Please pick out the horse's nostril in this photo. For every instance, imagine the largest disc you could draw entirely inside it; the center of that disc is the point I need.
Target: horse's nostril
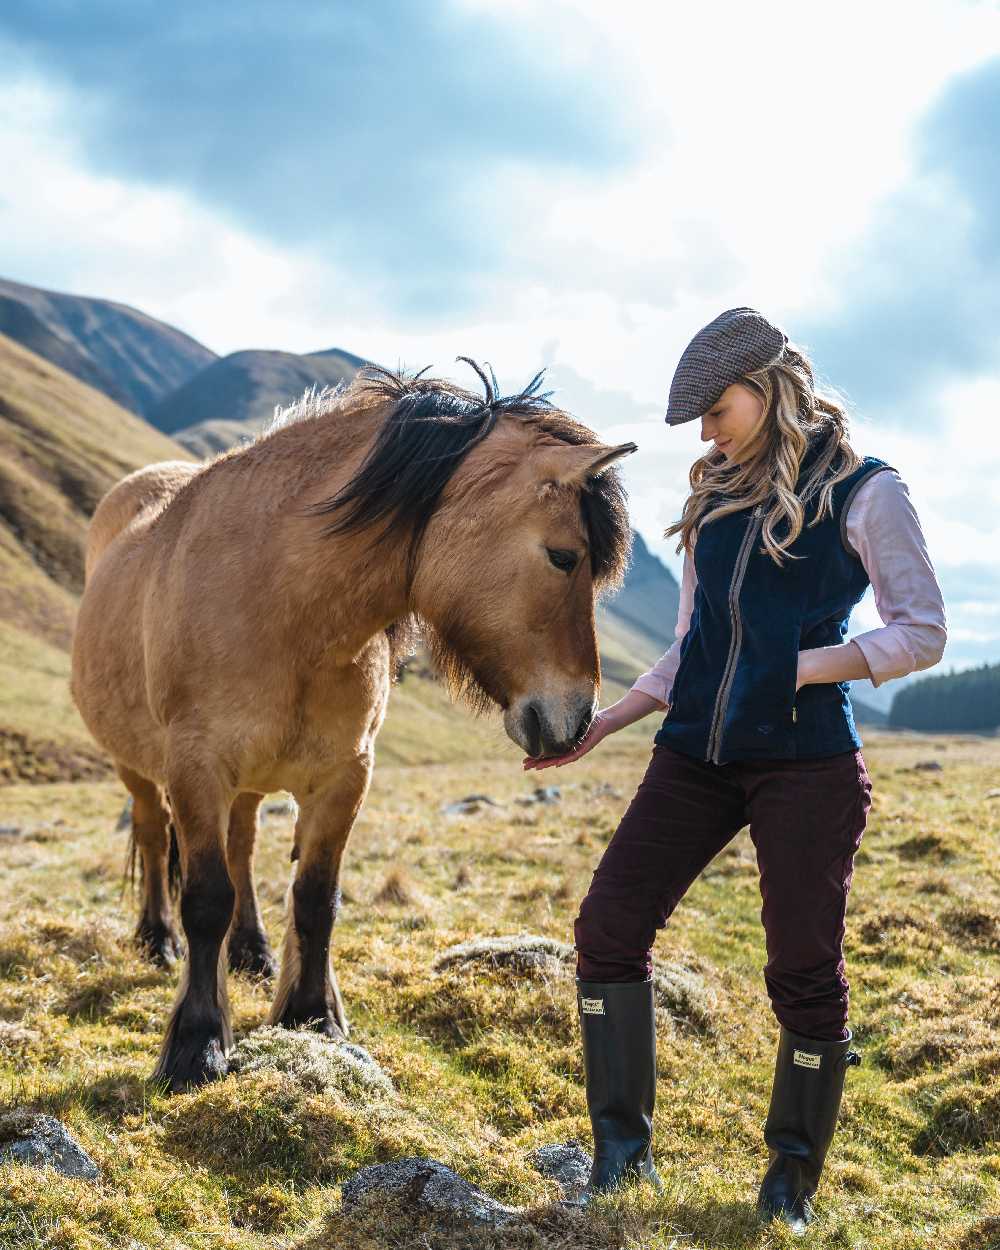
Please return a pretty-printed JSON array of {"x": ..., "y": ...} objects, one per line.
[{"x": 533, "y": 729}]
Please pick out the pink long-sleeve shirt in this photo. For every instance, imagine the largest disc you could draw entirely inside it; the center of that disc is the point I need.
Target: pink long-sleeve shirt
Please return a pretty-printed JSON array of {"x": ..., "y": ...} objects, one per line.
[{"x": 882, "y": 527}]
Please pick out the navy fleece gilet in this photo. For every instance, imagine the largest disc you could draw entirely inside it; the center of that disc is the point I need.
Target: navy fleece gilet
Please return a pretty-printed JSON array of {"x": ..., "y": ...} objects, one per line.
[{"x": 733, "y": 695}]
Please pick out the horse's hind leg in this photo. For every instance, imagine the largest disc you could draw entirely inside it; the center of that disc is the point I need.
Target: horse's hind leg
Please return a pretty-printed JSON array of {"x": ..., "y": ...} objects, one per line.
[
  {"x": 307, "y": 991},
  {"x": 150, "y": 841},
  {"x": 199, "y": 1034},
  {"x": 249, "y": 950}
]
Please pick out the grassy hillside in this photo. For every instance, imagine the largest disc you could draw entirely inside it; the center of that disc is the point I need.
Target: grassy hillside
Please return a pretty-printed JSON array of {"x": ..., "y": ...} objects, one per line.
[
  {"x": 62, "y": 445},
  {"x": 486, "y": 1064}
]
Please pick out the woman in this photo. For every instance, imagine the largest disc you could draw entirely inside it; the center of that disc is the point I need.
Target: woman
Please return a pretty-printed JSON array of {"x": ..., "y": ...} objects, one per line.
[{"x": 782, "y": 532}]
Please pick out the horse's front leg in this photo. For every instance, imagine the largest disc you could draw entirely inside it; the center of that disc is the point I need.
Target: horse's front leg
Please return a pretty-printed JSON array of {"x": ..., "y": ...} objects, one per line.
[
  {"x": 249, "y": 949},
  {"x": 198, "y": 1033},
  {"x": 307, "y": 989}
]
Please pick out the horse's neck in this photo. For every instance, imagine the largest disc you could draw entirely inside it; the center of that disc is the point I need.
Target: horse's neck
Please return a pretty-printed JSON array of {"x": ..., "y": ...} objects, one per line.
[{"x": 340, "y": 588}]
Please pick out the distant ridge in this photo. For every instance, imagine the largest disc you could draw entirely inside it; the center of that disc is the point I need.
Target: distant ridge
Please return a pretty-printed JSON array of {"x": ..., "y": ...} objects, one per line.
[
  {"x": 244, "y": 387},
  {"x": 133, "y": 358}
]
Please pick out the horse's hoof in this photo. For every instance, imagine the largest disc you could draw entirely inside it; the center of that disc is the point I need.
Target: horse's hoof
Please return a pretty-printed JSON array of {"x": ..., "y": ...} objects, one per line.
[
  {"x": 318, "y": 1019},
  {"x": 159, "y": 943},
  {"x": 250, "y": 951},
  {"x": 190, "y": 1062}
]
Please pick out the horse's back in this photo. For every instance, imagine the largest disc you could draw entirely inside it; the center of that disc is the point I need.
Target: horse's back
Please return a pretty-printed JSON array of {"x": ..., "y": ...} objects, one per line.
[{"x": 141, "y": 494}]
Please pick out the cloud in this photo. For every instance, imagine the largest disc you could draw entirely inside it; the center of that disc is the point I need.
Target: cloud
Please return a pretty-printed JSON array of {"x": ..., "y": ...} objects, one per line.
[
  {"x": 919, "y": 295},
  {"x": 387, "y": 136}
]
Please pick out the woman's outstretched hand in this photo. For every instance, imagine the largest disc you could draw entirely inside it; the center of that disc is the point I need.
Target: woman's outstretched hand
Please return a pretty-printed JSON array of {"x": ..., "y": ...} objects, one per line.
[{"x": 600, "y": 727}]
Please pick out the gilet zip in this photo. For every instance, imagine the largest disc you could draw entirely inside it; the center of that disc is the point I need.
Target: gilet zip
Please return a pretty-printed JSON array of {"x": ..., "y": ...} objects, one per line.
[{"x": 729, "y": 672}]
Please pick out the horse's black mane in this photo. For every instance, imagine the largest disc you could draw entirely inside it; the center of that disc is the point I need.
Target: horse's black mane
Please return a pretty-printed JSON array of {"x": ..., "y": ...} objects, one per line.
[{"x": 431, "y": 428}]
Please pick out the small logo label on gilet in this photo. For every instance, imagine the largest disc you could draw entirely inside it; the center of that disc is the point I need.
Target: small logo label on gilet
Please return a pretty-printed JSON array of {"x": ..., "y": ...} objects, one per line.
[
  {"x": 805, "y": 1060},
  {"x": 592, "y": 1006}
]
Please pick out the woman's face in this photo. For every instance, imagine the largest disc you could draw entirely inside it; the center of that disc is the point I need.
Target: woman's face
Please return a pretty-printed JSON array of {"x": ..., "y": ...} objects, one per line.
[{"x": 732, "y": 420}]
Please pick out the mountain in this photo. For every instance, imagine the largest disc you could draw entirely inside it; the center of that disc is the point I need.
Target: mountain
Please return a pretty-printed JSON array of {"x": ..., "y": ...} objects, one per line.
[
  {"x": 649, "y": 597},
  {"x": 865, "y": 714},
  {"x": 131, "y": 357},
  {"x": 244, "y": 388}
]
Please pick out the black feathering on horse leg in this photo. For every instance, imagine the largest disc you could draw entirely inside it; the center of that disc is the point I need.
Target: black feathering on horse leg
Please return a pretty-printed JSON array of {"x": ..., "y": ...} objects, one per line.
[{"x": 199, "y": 1035}]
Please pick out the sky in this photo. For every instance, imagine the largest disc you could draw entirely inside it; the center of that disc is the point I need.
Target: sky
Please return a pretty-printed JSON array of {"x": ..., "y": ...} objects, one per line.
[{"x": 565, "y": 184}]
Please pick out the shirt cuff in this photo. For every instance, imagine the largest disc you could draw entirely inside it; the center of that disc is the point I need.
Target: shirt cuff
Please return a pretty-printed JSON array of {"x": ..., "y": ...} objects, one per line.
[
  {"x": 883, "y": 663},
  {"x": 657, "y": 687}
]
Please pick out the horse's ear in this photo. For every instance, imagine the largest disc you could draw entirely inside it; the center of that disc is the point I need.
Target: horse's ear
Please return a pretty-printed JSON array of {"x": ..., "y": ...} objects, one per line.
[{"x": 576, "y": 465}]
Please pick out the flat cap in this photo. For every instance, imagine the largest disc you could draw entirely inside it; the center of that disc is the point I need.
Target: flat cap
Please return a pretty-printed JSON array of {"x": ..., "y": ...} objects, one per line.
[{"x": 736, "y": 343}]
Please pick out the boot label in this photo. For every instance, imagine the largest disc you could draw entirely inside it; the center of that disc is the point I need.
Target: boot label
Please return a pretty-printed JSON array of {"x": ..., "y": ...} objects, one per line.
[
  {"x": 592, "y": 1006},
  {"x": 805, "y": 1060}
]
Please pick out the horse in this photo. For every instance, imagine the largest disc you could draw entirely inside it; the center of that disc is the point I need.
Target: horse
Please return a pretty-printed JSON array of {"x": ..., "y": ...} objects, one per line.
[{"x": 243, "y": 620}]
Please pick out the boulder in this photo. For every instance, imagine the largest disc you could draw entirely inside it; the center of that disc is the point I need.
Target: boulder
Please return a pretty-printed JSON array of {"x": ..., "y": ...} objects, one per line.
[
  {"x": 43, "y": 1141},
  {"x": 471, "y": 803},
  {"x": 540, "y": 794},
  {"x": 426, "y": 1187},
  {"x": 567, "y": 1163}
]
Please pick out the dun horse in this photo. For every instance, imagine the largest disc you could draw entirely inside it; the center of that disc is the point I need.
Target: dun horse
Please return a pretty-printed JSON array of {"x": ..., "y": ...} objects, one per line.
[{"x": 241, "y": 623}]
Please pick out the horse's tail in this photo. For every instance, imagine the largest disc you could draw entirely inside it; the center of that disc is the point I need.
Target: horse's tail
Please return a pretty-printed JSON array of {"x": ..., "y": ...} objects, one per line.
[
  {"x": 131, "y": 857},
  {"x": 147, "y": 489},
  {"x": 133, "y": 865}
]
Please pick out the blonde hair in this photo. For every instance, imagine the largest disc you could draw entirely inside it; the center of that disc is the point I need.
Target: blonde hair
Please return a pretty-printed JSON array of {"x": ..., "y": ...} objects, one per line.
[{"x": 794, "y": 414}]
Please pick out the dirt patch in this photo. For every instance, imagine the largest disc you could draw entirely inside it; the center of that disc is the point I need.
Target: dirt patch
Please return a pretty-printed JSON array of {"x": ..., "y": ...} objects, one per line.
[
  {"x": 41, "y": 761},
  {"x": 925, "y": 846},
  {"x": 962, "y": 1119},
  {"x": 973, "y": 926}
]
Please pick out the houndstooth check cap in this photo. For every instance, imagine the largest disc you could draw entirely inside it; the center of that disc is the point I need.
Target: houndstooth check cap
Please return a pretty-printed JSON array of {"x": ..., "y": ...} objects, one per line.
[{"x": 736, "y": 343}]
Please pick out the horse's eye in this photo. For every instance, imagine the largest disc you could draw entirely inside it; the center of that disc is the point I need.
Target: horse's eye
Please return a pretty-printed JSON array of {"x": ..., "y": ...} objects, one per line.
[{"x": 565, "y": 561}]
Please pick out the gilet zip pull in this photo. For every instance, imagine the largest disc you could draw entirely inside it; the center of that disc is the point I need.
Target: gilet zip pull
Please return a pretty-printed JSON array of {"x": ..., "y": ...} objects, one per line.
[{"x": 729, "y": 672}]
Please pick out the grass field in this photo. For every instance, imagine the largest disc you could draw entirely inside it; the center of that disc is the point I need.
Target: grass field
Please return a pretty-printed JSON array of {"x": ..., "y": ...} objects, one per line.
[{"x": 487, "y": 1066}]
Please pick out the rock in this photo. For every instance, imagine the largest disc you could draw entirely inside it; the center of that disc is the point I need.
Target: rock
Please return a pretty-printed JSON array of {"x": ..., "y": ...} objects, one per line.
[
  {"x": 282, "y": 806},
  {"x": 928, "y": 766},
  {"x": 125, "y": 819},
  {"x": 10, "y": 831},
  {"x": 17, "y": 1039},
  {"x": 540, "y": 794},
  {"x": 564, "y": 1162},
  {"x": 520, "y": 953},
  {"x": 43, "y": 1141},
  {"x": 471, "y": 803},
  {"x": 319, "y": 1063},
  {"x": 428, "y": 1187},
  {"x": 993, "y": 794}
]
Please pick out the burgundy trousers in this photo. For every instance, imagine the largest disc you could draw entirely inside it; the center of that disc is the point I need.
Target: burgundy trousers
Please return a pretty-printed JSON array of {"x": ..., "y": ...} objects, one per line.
[{"x": 806, "y": 821}]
